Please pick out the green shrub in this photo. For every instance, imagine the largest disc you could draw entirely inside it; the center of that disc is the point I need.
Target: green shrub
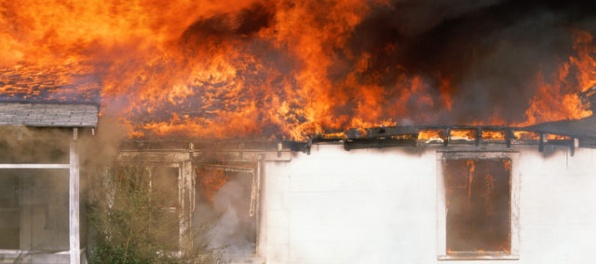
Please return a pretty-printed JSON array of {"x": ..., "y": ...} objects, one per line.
[{"x": 129, "y": 226}]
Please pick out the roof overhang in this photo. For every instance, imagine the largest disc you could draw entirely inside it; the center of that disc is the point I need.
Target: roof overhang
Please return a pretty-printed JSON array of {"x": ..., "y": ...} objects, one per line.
[{"x": 48, "y": 115}]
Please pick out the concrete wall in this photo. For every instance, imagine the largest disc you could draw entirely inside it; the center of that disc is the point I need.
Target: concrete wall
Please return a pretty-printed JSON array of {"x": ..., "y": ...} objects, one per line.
[{"x": 380, "y": 206}]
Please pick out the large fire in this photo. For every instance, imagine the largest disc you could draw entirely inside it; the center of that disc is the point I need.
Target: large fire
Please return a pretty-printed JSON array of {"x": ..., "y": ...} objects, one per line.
[{"x": 261, "y": 68}]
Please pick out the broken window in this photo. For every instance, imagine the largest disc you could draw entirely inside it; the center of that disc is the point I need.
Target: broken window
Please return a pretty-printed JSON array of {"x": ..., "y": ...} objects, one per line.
[
  {"x": 164, "y": 185},
  {"x": 164, "y": 182},
  {"x": 478, "y": 206},
  {"x": 149, "y": 198},
  {"x": 227, "y": 198}
]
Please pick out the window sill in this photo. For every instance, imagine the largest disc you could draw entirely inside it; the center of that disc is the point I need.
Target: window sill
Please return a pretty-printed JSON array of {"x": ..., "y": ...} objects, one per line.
[{"x": 475, "y": 256}]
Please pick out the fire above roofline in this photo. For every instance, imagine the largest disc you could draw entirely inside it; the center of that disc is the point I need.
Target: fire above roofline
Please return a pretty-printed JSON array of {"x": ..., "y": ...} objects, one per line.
[{"x": 568, "y": 133}]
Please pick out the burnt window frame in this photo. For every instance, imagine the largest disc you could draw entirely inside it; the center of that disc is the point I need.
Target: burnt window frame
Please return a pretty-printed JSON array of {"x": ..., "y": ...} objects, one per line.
[
  {"x": 254, "y": 169},
  {"x": 182, "y": 182},
  {"x": 442, "y": 158}
]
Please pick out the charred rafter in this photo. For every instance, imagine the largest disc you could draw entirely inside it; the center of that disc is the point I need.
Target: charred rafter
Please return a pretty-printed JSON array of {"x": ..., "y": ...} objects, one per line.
[
  {"x": 570, "y": 133},
  {"x": 446, "y": 135}
]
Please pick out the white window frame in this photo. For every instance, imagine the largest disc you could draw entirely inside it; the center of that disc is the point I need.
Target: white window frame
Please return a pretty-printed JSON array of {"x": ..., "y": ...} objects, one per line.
[{"x": 442, "y": 157}]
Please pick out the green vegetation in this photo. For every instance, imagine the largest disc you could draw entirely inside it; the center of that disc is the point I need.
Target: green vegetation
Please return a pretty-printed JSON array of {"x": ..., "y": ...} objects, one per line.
[{"x": 129, "y": 225}]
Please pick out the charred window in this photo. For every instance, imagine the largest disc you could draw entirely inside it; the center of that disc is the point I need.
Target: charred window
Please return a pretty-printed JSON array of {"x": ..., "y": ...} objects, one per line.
[
  {"x": 147, "y": 195},
  {"x": 164, "y": 187},
  {"x": 164, "y": 182},
  {"x": 226, "y": 202},
  {"x": 478, "y": 206}
]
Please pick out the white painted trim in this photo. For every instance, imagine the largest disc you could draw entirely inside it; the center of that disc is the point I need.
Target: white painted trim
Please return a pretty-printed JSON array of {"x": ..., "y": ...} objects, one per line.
[
  {"x": 258, "y": 245},
  {"x": 442, "y": 209},
  {"x": 73, "y": 204},
  {"x": 34, "y": 166},
  {"x": 185, "y": 187},
  {"x": 17, "y": 252}
]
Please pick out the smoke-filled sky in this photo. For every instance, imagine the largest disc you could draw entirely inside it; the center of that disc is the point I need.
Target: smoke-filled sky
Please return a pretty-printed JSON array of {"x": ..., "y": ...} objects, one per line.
[
  {"x": 292, "y": 68},
  {"x": 490, "y": 50}
]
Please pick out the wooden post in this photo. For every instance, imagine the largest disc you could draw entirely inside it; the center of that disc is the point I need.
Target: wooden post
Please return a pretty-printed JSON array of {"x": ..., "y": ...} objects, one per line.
[
  {"x": 73, "y": 202},
  {"x": 186, "y": 188}
]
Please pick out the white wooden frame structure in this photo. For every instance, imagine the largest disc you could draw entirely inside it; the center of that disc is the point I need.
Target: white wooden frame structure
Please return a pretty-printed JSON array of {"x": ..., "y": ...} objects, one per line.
[{"x": 73, "y": 196}]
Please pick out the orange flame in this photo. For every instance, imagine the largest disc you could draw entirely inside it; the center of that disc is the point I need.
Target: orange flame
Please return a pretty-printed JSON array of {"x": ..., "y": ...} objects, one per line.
[
  {"x": 493, "y": 135},
  {"x": 249, "y": 68},
  {"x": 559, "y": 99},
  {"x": 211, "y": 181}
]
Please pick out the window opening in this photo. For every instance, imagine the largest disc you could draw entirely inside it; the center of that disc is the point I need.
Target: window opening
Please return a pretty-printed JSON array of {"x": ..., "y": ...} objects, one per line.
[
  {"x": 164, "y": 186},
  {"x": 478, "y": 206},
  {"x": 34, "y": 210},
  {"x": 227, "y": 203},
  {"x": 478, "y": 200},
  {"x": 9, "y": 211}
]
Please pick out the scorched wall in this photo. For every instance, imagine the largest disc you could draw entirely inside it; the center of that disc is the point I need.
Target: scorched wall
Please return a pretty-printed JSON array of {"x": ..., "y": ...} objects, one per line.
[{"x": 383, "y": 206}]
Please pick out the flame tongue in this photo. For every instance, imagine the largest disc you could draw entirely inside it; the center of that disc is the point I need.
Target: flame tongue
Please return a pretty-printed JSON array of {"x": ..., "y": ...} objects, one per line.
[
  {"x": 58, "y": 83},
  {"x": 297, "y": 68}
]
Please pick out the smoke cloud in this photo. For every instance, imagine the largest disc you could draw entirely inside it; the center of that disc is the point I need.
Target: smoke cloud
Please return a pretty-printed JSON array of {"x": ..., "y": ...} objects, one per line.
[
  {"x": 489, "y": 50},
  {"x": 232, "y": 228}
]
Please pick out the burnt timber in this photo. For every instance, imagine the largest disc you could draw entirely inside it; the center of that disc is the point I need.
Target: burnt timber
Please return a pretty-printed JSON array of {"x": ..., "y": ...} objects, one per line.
[{"x": 567, "y": 133}]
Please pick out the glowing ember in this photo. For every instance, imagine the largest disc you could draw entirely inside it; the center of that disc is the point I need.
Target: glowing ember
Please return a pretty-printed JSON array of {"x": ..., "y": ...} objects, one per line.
[
  {"x": 524, "y": 135},
  {"x": 259, "y": 68},
  {"x": 493, "y": 135},
  {"x": 431, "y": 135},
  {"x": 463, "y": 134},
  {"x": 556, "y": 137}
]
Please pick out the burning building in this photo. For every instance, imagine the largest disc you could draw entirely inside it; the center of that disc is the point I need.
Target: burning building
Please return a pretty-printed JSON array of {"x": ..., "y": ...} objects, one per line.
[{"x": 311, "y": 131}]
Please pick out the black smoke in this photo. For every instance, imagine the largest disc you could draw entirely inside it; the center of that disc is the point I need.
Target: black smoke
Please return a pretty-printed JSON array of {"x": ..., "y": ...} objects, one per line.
[{"x": 491, "y": 50}]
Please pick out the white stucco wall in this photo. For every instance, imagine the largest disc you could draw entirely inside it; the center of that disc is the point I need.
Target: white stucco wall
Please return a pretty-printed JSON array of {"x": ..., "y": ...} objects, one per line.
[{"x": 380, "y": 206}]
